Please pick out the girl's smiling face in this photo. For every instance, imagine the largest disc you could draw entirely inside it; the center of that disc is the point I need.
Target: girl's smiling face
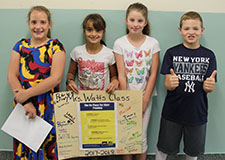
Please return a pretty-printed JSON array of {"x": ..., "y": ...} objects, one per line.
[
  {"x": 93, "y": 36},
  {"x": 39, "y": 25},
  {"x": 135, "y": 22}
]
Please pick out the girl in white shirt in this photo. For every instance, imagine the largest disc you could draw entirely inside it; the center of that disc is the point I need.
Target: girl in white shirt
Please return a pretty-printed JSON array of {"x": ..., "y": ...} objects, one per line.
[
  {"x": 137, "y": 59},
  {"x": 94, "y": 61}
]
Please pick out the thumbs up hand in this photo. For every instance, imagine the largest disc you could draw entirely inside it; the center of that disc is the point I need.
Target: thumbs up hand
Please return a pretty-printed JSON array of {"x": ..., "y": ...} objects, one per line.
[
  {"x": 172, "y": 72},
  {"x": 172, "y": 81},
  {"x": 209, "y": 83}
]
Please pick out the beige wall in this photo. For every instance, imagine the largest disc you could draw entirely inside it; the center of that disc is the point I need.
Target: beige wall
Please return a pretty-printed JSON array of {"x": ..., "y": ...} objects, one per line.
[{"x": 217, "y": 6}]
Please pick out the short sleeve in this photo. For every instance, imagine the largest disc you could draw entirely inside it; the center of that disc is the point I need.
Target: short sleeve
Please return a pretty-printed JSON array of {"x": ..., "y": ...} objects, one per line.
[
  {"x": 167, "y": 63},
  {"x": 117, "y": 47},
  {"x": 212, "y": 66},
  {"x": 112, "y": 59},
  {"x": 57, "y": 46},
  {"x": 17, "y": 46},
  {"x": 73, "y": 54},
  {"x": 156, "y": 47}
]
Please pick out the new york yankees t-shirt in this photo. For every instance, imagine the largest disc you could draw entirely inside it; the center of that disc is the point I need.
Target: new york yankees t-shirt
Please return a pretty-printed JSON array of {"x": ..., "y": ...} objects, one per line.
[{"x": 188, "y": 104}]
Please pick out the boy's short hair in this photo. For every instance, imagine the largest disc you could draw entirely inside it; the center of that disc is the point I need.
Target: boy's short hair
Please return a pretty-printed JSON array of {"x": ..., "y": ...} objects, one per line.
[{"x": 191, "y": 15}]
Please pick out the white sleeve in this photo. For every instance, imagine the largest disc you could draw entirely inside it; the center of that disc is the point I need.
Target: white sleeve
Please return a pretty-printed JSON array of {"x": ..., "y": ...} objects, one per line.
[
  {"x": 73, "y": 54},
  {"x": 117, "y": 48},
  {"x": 110, "y": 57},
  {"x": 112, "y": 61},
  {"x": 156, "y": 47}
]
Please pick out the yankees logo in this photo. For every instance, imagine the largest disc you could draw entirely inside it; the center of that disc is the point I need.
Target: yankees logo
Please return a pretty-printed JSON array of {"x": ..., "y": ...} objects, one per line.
[{"x": 189, "y": 87}]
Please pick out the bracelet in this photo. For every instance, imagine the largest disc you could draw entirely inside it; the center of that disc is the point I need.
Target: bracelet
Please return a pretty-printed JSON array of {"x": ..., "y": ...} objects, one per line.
[
  {"x": 27, "y": 101},
  {"x": 68, "y": 80}
]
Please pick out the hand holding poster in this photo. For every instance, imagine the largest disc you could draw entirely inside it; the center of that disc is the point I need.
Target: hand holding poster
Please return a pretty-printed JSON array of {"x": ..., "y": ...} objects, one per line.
[{"x": 94, "y": 123}]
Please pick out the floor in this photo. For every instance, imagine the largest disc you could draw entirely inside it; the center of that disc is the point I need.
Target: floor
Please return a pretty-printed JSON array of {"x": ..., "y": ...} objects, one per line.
[
  {"x": 204, "y": 157},
  {"x": 7, "y": 155}
]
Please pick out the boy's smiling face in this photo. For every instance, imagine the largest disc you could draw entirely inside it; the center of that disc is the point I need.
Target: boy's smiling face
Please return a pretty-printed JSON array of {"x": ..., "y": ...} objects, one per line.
[{"x": 191, "y": 32}]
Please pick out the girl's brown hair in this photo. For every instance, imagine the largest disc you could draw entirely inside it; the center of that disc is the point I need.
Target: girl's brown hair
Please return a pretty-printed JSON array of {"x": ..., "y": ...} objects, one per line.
[
  {"x": 42, "y": 9},
  {"x": 144, "y": 10}
]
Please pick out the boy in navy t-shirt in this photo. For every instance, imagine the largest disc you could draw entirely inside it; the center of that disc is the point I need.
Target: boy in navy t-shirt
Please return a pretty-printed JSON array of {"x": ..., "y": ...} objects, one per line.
[{"x": 190, "y": 73}]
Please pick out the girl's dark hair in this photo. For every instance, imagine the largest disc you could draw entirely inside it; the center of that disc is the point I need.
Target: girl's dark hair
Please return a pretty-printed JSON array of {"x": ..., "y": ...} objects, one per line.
[
  {"x": 42, "y": 9},
  {"x": 144, "y": 10},
  {"x": 98, "y": 23}
]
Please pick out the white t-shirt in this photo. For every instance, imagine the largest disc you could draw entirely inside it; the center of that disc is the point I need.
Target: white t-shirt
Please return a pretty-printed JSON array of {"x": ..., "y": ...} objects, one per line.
[
  {"x": 137, "y": 60},
  {"x": 93, "y": 69}
]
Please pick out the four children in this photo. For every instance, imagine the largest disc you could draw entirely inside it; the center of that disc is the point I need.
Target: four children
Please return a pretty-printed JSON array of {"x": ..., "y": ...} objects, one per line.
[{"x": 37, "y": 64}]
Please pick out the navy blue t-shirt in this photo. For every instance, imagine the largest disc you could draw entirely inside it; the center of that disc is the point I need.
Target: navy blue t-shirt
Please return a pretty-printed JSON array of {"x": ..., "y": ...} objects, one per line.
[{"x": 188, "y": 104}]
